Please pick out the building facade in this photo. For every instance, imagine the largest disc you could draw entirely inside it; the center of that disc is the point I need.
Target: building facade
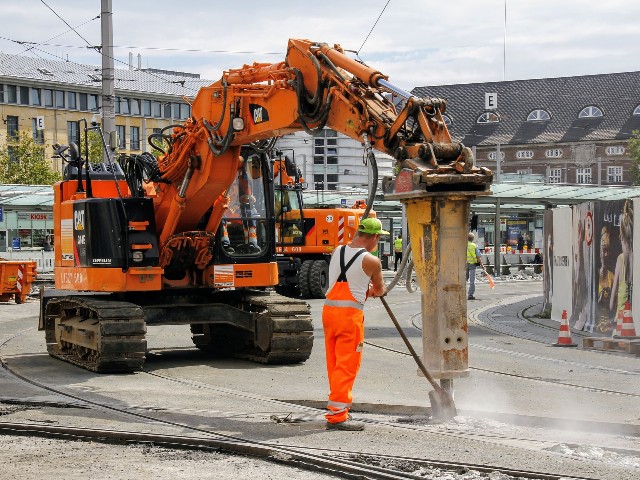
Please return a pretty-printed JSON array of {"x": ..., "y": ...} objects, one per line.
[
  {"x": 52, "y": 99},
  {"x": 569, "y": 130}
]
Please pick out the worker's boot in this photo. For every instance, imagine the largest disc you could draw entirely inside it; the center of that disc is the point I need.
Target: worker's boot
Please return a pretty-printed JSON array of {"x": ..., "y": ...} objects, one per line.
[{"x": 347, "y": 425}]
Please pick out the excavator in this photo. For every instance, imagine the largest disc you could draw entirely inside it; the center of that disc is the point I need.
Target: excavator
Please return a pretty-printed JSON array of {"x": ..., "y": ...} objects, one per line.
[
  {"x": 306, "y": 237},
  {"x": 150, "y": 241}
]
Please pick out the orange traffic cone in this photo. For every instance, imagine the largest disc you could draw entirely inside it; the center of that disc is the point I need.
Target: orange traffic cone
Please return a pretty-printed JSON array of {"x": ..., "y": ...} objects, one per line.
[
  {"x": 626, "y": 327},
  {"x": 564, "y": 335}
]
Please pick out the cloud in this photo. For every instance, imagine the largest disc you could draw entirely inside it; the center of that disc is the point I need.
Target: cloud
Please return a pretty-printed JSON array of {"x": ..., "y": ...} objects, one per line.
[{"x": 415, "y": 42}]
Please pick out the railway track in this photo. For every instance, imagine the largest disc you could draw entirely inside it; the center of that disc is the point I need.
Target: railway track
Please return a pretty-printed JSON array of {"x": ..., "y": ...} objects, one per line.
[{"x": 334, "y": 462}]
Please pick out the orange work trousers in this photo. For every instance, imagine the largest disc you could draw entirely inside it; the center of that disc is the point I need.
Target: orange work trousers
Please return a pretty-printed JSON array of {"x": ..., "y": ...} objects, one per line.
[{"x": 343, "y": 339}]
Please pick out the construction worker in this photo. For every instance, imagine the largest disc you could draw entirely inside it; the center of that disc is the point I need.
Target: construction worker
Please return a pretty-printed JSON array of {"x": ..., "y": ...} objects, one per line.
[
  {"x": 354, "y": 275},
  {"x": 397, "y": 248},
  {"x": 473, "y": 260}
]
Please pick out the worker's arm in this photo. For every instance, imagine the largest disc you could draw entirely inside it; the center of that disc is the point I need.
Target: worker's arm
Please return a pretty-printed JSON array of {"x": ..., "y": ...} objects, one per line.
[
  {"x": 373, "y": 267},
  {"x": 479, "y": 257}
]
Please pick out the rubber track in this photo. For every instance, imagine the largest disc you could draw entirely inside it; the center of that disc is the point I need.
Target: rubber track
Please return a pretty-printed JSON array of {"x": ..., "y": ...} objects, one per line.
[
  {"x": 118, "y": 330},
  {"x": 292, "y": 328}
]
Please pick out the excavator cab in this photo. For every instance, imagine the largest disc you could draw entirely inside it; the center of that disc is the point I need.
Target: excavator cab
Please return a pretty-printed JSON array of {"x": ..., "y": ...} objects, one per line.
[
  {"x": 290, "y": 229},
  {"x": 246, "y": 226}
]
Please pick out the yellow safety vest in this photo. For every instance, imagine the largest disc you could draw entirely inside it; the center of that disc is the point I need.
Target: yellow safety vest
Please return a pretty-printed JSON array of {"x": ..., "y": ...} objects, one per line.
[
  {"x": 397, "y": 245},
  {"x": 472, "y": 259}
]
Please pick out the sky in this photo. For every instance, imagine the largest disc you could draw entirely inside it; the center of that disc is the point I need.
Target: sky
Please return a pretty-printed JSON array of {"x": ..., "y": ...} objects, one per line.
[{"x": 414, "y": 42}]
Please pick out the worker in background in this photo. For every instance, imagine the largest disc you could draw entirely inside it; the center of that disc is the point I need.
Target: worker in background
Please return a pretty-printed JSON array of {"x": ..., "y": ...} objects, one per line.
[
  {"x": 397, "y": 248},
  {"x": 354, "y": 275},
  {"x": 473, "y": 260}
]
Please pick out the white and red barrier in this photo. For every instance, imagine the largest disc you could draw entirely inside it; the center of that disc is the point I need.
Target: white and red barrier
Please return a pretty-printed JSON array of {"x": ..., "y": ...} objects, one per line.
[{"x": 504, "y": 249}]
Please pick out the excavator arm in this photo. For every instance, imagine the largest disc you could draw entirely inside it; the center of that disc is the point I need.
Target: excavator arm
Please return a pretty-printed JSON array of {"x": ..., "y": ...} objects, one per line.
[{"x": 316, "y": 86}]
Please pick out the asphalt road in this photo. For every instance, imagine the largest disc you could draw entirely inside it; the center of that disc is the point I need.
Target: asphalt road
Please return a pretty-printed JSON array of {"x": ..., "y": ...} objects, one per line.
[{"x": 522, "y": 392}]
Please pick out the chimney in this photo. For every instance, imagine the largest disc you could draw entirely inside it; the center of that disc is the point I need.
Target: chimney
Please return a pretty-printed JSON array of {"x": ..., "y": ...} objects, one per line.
[
  {"x": 130, "y": 60},
  {"x": 139, "y": 61}
]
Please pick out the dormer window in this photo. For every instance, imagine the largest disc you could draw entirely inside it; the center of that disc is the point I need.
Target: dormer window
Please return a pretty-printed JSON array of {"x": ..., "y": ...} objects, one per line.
[
  {"x": 488, "y": 117},
  {"x": 591, "y": 112},
  {"x": 636, "y": 111},
  {"x": 538, "y": 115}
]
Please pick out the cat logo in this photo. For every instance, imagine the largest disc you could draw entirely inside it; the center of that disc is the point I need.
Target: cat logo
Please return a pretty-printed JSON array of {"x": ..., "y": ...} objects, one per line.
[
  {"x": 78, "y": 220},
  {"x": 259, "y": 114}
]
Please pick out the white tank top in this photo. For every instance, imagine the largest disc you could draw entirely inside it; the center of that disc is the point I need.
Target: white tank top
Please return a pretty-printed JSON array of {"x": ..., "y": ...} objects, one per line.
[{"x": 358, "y": 280}]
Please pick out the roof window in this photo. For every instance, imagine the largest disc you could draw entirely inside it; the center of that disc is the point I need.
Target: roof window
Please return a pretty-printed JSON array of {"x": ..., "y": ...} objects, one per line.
[
  {"x": 590, "y": 112},
  {"x": 488, "y": 117},
  {"x": 636, "y": 111},
  {"x": 538, "y": 115},
  {"x": 44, "y": 71},
  {"x": 447, "y": 120}
]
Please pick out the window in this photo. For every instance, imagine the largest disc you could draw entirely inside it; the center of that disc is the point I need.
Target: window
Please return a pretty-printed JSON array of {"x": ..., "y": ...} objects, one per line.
[
  {"x": 146, "y": 108},
  {"x": 492, "y": 155},
  {"x": 636, "y": 111},
  {"x": 82, "y": 97},
  {"x": 72, "y": 100},
  {"x": 332, "y": 160},
  {"x": 614, "y": 174},
  {"x": 319, "y": 142},
  {"x": 12, "y": 126},
  {"x": 553, "y": 153},
  {"x": 332, "y": 151},
  {"x": 36, "y": 96},
  {"x": 524, "y": 171},
  {"x": 167, "y": 110},
  {"x": 59, "y": 98},
  {"x": 185, "y": 111},
  {"x": 93, "y": 103},
  {"x": 38, "y": 135},
  {"x": 538, "y": 116},
  {"x": 156, "y": 107},
  {"x": 615, "y": 150},
  {"x": 318, "y": 180},
  {"x": 332, "y": 141},
  {"x": 522, "y": 154},
  {"x": 73, "y": 132},
  {"x": 134, "y": 104},
  {"x": 583, "y": 175},
  {"x": 135, "y": 138},
  {"x": 1, "y": 93},
  {"x": 122, "y": 139},
  {"x": 555, "y": 175},
  {"x": 12, "y": 94},
  {"x": 590, "y": 112},
  {"x": 448, "y": 121},
  {"x": 24, "y": 95},
  {"x": 122, "y": 106},
  {"x": 318, "y": 160},
  {"x": 48, "y": 97},
  {"x": 318, "y": 150},
  {"x": 175, "y": 110},
  {"x": 332, "y": 178},
  {"x": 488, "y": 117}
]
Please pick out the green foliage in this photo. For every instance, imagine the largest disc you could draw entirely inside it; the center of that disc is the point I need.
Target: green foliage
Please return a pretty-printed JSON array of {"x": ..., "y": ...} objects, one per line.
[
  {"x": 22, "y": 161},
  {"x": 95, "y": 147},
  {"x": 634, "y": 155}
]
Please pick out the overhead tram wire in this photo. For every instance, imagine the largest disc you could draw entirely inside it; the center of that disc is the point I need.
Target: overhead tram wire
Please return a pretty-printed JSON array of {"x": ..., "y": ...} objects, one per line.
[
  {"x": 374, "y": 26},
  {"x": 66, "y": 23},
  {"x": 35, "y": 44}
]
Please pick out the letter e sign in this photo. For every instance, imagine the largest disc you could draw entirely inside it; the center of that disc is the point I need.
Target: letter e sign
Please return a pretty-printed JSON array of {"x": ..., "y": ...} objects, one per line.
[
  {"x": 39, "y": 123},
  {"x": 490, "y": 101}
]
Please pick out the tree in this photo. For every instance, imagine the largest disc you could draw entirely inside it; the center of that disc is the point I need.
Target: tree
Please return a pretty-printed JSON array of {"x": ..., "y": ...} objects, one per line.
[
  {"x": 634, "y": 155},
  {"x": 23, "y": 161}
]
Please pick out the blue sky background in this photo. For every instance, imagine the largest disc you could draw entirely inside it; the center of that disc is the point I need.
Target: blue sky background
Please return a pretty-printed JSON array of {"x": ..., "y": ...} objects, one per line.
[{"x": 415, "y": 43}]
